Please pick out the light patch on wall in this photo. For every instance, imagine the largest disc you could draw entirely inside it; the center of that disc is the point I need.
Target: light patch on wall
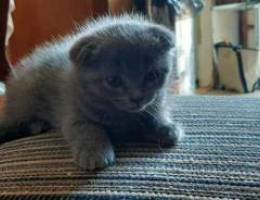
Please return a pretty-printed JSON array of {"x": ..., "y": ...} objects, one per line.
[{"x": 185, "y": 52}]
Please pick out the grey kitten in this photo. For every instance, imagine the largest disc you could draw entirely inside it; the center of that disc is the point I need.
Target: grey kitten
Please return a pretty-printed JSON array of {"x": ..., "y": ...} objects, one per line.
[{"x": 105, "y": 83}]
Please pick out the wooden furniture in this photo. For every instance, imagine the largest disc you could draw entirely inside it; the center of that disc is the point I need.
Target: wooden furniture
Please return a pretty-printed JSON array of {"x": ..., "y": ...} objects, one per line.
[
  {"x": 117, "y": 7},
  {"x": 43, "y": 20},
  {"x": 4, "y": 66}
]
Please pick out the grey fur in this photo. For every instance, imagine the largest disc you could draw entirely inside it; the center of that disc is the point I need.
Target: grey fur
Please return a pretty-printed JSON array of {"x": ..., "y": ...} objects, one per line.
[{"x": 67, "y": 85}]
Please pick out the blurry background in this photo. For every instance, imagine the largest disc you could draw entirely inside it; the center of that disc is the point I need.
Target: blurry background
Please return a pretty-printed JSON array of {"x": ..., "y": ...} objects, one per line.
[{"x": 217, "y": 40}]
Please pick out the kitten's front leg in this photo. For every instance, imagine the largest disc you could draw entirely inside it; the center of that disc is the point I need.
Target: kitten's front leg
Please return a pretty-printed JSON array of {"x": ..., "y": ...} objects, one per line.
[
  {"x": 90, "y": 146},
  {"x": 160, "y": 128},
  {"x": 169, "y": 134}
]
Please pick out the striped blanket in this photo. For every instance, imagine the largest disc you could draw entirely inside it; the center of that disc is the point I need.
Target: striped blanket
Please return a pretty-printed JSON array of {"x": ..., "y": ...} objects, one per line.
[{"x": 218, "y": 158}]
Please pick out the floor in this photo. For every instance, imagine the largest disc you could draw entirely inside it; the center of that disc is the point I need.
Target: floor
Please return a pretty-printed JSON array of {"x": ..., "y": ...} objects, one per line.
[{"x": 207, "y": 91}]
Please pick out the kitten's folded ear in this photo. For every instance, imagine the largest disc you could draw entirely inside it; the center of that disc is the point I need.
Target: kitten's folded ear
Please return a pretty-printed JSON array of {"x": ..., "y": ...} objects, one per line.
[
  {"x": 84, "y": 51},
  {"x": 163, "y": 36}
]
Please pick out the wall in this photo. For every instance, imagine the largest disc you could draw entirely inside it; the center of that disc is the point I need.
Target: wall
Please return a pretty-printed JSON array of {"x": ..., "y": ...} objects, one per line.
[{"x": 36, "y": 21}]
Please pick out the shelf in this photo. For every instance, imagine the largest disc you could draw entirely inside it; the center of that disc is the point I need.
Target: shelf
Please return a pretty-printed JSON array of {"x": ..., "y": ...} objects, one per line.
[{"x": 235, "y": 7}]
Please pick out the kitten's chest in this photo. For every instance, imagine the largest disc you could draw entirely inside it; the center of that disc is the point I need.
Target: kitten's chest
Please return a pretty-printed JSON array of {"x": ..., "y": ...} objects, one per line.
[
  {"x": 117, "y": 120},
  {"x": 121, "y": 128}
]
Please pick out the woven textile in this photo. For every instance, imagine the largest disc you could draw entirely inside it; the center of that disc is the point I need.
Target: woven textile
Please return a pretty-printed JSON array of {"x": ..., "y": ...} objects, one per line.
[{"x": 218, "y": 158}]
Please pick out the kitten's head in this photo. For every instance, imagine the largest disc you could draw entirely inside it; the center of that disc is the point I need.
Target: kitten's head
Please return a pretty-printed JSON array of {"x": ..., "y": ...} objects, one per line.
[{"x": 124, "y": 64}]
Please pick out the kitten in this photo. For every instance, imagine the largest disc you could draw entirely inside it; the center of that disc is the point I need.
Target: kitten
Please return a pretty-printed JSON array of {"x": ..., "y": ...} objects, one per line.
[{"x": 104, "y": 83}]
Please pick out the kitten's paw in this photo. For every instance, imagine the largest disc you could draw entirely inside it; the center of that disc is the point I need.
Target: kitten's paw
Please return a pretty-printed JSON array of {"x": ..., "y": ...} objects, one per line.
[
  {"x": 169, "y": 136},
  {"x": 95, "y": 157}
]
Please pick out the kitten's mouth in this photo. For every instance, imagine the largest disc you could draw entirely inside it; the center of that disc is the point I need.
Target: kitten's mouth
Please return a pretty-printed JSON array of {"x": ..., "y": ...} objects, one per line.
[
  {"x": 133, "y": 108},
  {"x": 137, "y": 108}
]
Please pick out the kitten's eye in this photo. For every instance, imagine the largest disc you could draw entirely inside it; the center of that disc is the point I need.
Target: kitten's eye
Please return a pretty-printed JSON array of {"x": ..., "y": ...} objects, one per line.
[
  {"x": 114, "y": 81},
  {"x": 152, "y": 76}
]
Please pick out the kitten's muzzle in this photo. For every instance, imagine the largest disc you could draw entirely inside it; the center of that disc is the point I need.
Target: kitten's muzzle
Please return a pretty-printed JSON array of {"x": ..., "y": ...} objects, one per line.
[
  {"x": 138, "y": 104},
  {"x": 136, "y": 100}
]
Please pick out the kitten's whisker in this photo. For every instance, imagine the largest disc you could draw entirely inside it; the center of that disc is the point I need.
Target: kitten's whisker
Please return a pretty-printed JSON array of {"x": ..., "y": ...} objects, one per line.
[
  {"x": 155, "y": 108},
  {"x": 151, "y": 114}
]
